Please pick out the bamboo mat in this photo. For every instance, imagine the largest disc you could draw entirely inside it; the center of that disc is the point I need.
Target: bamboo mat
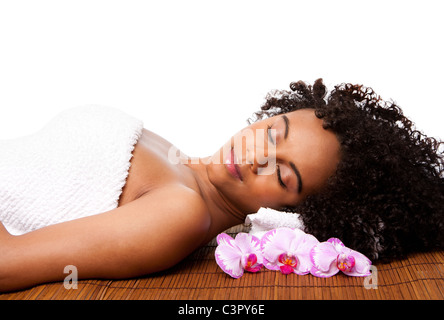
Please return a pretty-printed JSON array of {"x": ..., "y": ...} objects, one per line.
[{"x": 417, "y": 277}]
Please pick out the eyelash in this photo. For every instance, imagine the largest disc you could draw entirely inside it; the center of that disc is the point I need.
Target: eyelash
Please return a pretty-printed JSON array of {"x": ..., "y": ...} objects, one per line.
[{"x": 278, "y": 170}]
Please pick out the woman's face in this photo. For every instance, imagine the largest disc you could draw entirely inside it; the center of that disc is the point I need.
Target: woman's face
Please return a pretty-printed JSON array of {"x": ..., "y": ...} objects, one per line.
[{"x": 275, "y": 162}]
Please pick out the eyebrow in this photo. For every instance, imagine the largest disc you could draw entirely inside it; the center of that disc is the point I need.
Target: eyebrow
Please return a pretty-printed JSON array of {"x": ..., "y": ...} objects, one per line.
[
  {"x": 292, "y": 165},
  {"x": 298, "y": 174},
  {"x": 287, "y": 125}
]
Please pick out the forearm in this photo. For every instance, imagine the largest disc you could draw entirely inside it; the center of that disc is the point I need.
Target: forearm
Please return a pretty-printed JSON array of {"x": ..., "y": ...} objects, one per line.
[
  {"x": 41, "y": 256},
  {"x": 10, "y": 267},
  {"x": 27, "y": 260},
  {"x": 6, "y": 255}
]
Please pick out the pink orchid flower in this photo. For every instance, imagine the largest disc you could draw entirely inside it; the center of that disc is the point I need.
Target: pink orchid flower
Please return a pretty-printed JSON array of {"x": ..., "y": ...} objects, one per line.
[
  {"x": 238, "y": 254},
  {"x": 332, "y": 256},
  {"x": 287, "y": 250}
]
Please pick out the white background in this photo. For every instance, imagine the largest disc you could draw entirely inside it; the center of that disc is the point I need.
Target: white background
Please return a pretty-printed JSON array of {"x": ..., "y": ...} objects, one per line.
[{"x": 194, "y": 71}]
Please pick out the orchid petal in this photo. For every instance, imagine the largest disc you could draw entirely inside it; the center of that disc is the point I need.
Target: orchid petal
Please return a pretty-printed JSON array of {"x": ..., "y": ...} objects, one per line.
[
  {"x": 286, "y": 269},
  {"x": 251, "y": 263},
  {"x": 251, "y": 259},
  {"x": 228, "y": 256},
  {"x": 276, "y": 241},
  {"x": 362, "y": 265},
  {"x": 303, "y": 254},
  {"x": 225, "y": 239},
  {"x": 251, "y": 249},
  {"x": 285, "y": 245},
  {"x": 324, "y": 274},
  {"x": 247, "y": 243},
  {"x": 297, "y": 239},
  {"x": 288, "y": 260},
  {"x": 345, "y": 262},
  {"x": 273, "y": 244},
  {"x": 323, "y": 258},
  {"x": 257, "y": 268},
  {"x": 338, "y": 245}
]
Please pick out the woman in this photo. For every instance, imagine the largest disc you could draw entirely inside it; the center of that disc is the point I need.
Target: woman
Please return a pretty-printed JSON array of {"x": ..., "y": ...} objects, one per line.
[{"x": 351, "y": 164}]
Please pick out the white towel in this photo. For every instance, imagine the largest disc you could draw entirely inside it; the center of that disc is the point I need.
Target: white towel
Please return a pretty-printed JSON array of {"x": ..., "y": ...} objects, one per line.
[
  {"x": 74, "y": 167},
  {"x": 267, "y": 219}
]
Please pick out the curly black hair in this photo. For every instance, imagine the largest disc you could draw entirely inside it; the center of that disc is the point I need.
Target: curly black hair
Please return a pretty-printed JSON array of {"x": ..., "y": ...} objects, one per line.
[{"x": 386, "y": 197}]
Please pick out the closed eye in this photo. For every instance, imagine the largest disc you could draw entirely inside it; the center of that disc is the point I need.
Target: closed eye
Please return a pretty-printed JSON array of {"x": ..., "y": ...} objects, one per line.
[{"x": 278, "y": 172}]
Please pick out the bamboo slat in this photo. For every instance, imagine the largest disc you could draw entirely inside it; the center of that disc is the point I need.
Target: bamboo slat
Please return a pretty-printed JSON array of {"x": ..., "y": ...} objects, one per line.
[{"x": 419, "y": 276}]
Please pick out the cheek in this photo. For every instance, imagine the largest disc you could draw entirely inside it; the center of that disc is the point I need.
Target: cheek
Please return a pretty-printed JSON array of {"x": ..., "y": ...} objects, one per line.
[
  {"x": 241, "y": 197},
  {"x": 267, "y": 194},
  {"x": 271, "y": 194},
  {"x": 251, "y": 195}
]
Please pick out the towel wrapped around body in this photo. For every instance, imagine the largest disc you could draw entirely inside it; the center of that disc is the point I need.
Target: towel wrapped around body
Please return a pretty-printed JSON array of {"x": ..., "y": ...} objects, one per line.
[{"x": 74, "y": 167}]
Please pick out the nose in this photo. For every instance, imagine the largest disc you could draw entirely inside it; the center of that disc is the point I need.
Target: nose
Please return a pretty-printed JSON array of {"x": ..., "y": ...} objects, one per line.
[{"x": 261, "y": 161}]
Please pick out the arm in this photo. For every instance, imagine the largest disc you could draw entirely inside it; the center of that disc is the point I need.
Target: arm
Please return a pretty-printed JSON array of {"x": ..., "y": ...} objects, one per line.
[
  {"x": 4, "y": 234},
  {"x": 147, "y": 235}
]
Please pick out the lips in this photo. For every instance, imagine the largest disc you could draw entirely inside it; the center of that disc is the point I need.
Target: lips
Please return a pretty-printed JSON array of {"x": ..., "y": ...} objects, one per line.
[{"x": 231, "y": 166}]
